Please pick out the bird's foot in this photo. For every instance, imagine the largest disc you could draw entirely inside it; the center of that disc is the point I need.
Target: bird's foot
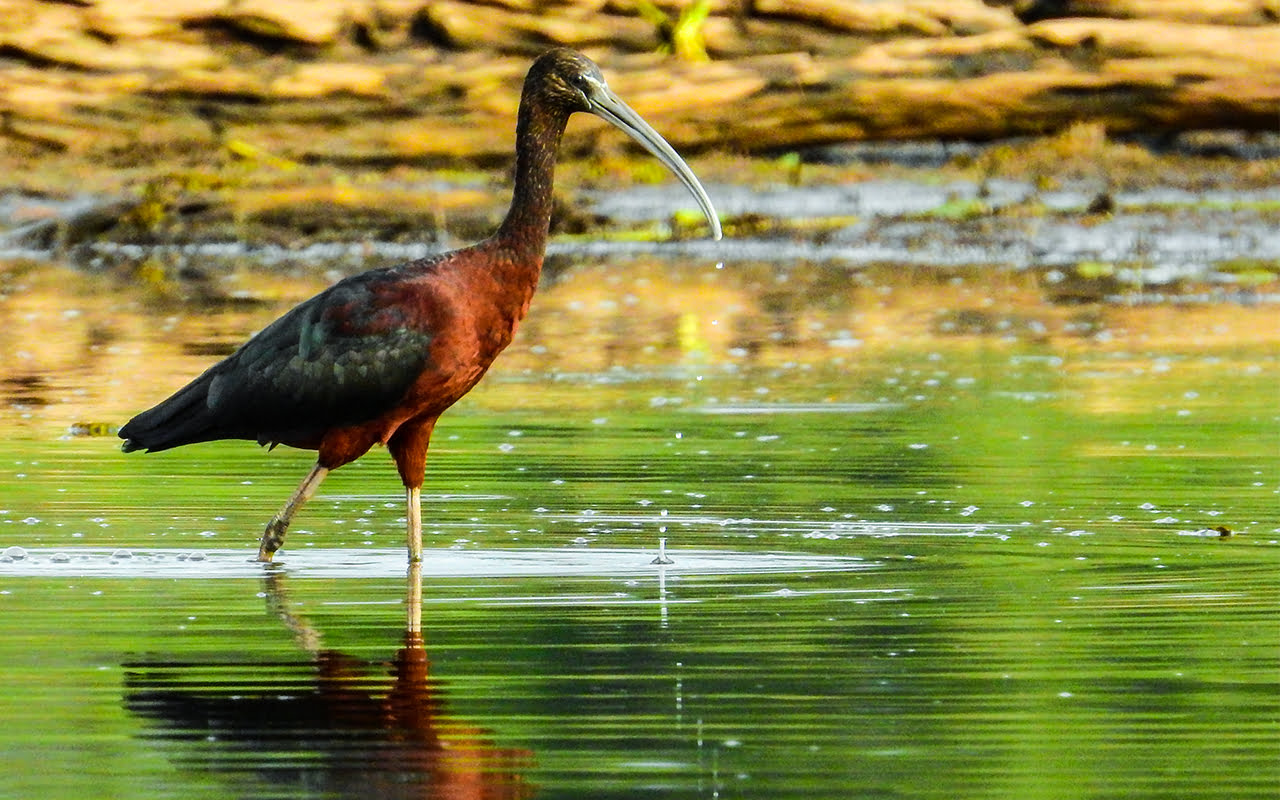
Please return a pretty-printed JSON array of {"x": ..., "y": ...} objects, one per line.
[{"x": 272, "y": 539}]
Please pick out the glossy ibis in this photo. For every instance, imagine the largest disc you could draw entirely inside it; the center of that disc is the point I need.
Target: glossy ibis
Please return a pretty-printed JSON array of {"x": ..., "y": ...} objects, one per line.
[{"x": 378, "y": 357}]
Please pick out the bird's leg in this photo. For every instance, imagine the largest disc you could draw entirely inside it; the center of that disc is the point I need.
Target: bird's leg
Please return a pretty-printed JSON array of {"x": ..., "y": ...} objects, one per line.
[
  {"x": 273, "y": 536},
  {"x": 408, "y": 447},
  {"x": 413, "y": 510}
]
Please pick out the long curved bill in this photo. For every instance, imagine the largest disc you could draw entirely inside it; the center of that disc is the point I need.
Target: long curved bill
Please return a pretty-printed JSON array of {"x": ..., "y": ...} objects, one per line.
[{"x": 608, "y": 106}]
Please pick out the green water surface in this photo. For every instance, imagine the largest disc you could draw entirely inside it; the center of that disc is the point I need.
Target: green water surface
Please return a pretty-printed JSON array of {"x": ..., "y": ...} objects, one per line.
[{"x": 1042, "y": 609}]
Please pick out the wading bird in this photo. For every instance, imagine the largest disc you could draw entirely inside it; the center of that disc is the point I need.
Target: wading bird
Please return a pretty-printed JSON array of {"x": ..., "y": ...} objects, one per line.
[{"x": 378, "y": 357}]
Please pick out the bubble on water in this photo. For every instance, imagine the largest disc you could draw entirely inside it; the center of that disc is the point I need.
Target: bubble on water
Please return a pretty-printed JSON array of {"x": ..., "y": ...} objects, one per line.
[
  {"x": 60, "y": 558},
  {"x": 122, "y": 554},
  {"x": 15, "y": 553}
]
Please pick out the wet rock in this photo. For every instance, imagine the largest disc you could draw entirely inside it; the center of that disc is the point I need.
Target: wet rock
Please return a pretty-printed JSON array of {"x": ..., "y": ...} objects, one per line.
[
  {"x": 925, "y": 18},
  {"x": 1217, "y": 12},
  {"x": 68, "y": 224}
]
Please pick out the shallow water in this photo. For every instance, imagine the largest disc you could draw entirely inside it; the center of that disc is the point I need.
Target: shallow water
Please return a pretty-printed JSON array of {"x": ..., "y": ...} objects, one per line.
[{"x": 907, "y": 560}]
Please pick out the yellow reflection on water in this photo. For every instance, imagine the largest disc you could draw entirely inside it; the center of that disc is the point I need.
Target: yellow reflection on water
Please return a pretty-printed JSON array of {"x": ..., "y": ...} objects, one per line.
[{"x": 80, "y": 349}]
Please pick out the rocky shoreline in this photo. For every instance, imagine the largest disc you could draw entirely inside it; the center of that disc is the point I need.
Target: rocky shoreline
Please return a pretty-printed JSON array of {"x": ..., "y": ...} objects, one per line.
[{"x": 123, "y": 84}]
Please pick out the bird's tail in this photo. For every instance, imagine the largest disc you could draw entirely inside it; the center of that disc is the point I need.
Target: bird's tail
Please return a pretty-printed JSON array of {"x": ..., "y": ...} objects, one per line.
[{"x": 184, "y": 418}]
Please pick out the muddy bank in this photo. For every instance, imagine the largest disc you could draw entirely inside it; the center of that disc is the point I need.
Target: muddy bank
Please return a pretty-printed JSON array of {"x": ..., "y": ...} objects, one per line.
[
  {"x": 1081, "y": 242},
  {"x": 110, "y": 85}
]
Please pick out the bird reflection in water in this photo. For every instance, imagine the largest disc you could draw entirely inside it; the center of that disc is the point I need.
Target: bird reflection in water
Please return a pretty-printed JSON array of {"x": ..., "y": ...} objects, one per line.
[{"x": 331, "y": 725}]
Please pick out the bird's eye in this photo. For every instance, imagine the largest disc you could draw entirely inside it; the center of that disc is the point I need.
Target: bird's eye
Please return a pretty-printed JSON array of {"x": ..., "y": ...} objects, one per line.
[{"x": 580, "y": 85}]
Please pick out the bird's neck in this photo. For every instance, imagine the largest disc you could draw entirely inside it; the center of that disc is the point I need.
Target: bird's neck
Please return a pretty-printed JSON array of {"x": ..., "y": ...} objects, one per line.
[{"x": 524, "y": 231}]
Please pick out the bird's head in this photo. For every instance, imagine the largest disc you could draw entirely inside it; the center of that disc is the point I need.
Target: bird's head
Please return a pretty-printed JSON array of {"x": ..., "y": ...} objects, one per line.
[
  {"x": 568, "y": 78},
  {"x": 574, "y": 82}
]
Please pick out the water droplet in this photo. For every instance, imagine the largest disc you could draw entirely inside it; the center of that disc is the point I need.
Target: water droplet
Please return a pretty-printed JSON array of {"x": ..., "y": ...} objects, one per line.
[{"x": 16, "y": 553}]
